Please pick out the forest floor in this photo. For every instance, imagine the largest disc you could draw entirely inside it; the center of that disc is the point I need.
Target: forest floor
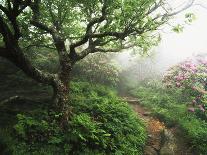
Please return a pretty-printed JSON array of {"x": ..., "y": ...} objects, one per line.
[{"x": 161, "y": 139}]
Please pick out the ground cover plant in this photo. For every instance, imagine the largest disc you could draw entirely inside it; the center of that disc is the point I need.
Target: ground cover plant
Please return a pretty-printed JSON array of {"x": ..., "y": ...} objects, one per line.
[{"x": 101, "y": 124}]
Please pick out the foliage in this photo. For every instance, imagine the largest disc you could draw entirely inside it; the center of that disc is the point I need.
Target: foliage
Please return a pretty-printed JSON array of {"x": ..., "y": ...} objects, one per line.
[
  {"x": 117, "y": 120},
  {"x": 168, "y": 103},
  {"x": 98, "y": 68},
  {"x": 178, "y": 28},
  {"x": 191, "y": 77},
  {"x": 32, "y": 130},
  {"x": 101, "y": 124},
  {"x": 189, "y": 18},
  {"x": 104, "y": 24},
  {"x": 44, "y": 59}
]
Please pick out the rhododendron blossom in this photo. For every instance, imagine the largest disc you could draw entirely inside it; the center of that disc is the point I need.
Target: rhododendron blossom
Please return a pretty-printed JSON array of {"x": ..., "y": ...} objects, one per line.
[
  {"x": 191, "y": 109},
  {"x": 190, "y": 75}
]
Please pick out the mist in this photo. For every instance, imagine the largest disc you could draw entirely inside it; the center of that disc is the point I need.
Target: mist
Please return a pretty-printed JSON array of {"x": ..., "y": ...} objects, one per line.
[{"x": 172, "y": 49}]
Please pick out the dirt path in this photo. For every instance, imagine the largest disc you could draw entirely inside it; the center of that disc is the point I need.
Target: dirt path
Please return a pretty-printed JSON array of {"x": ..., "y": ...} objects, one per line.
[{"x": 161, "y": 140}]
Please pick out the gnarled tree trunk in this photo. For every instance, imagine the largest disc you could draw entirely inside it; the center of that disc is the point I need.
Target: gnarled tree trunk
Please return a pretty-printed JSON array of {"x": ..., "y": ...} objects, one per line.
[
  {"x": 61, "y": 92},
  {"x": 61, "y": 98}
]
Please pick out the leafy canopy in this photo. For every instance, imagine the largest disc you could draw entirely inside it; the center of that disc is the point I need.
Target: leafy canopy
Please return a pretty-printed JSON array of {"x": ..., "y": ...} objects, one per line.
[{"x": 81, "y": 24}]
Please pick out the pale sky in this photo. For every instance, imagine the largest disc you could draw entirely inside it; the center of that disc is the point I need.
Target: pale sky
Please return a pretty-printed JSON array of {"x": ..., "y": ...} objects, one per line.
[{"x": 193, "y": 40}]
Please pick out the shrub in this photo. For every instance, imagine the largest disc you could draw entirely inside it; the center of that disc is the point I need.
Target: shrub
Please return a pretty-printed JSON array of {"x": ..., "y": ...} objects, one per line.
[
  {"x": 190, "y": 77},
  {"x": 98, "y": 68},
  {"x": 119, "y": 124}
]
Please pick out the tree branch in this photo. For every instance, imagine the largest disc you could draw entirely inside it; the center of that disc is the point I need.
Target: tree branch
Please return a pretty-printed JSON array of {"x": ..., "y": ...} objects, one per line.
[
  {"x": 12, "y": 13},
  {"x": 201, "y": 5},
  {"x": 35, "y": 19},
  {"x": 93, "y": 49},
  {"x": 42, "y": 26},
  {"x": 118, "y": 35},
  {"x": 4, "y": 10},
  {"x": 13, "y": 53},
  {"x": 39, "y": 45},
  {"x": 5, "y": 31},
  {"x": 25, "y": 4},
  {"x": 155, "y": 7},
  {"x": 21, "y": 61},
  {"x": 189, "y": 4},
  {"x": 90, "y": 25}
]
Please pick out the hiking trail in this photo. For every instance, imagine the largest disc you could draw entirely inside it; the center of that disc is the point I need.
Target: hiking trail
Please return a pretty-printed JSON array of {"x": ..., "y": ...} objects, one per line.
[{"x": 161, "y": 139}]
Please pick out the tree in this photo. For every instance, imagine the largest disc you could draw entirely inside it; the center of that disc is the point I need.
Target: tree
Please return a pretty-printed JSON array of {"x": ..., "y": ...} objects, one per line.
[{"x": 74, "y": 29}]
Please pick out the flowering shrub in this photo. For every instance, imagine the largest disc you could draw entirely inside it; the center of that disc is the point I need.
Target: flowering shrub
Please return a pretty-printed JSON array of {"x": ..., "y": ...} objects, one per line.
[
  {"x": 99, "y": 68},
  {"x": 191, "y": 77}
]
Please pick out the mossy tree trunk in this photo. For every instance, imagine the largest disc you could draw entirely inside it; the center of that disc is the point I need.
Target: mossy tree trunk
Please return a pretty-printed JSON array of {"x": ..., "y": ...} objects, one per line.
[{"x": 61, "y": 99}]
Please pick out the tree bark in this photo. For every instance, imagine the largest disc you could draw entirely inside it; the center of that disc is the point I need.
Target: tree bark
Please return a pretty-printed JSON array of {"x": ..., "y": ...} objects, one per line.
[{"x": 61, "y": 97}]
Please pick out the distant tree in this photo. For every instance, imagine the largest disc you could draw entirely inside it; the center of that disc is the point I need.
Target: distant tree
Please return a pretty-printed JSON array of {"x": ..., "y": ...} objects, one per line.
[{"x": 74, "y": 29}]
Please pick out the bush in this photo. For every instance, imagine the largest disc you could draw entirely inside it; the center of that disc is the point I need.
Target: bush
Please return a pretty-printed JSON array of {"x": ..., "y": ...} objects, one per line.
[
  {"x": 119, "y": 125},
  {"x": 100, "y": 124},
  {"x": 98, "y": 68},
  {"x": 190, "y": 77}
]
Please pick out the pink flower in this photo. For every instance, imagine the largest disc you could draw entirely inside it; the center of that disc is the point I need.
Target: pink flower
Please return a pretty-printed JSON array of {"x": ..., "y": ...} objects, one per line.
[
  {"x": 178, "y": 84},
  {"x": 193, "y": 88},
  {"x": 194, "y": 102},
  {"x": 179, "y": 77},
  {"x": 201, "y": 108},
  {"x": 191, "y": 109},
  {"x": 203, "y": 61}
]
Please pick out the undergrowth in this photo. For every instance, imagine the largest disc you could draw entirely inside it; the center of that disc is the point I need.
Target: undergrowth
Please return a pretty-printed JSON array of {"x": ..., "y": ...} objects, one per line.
[{"x": 100, "y": 124}]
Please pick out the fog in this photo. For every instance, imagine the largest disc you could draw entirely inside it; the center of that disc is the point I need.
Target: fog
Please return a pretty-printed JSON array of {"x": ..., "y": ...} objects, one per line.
[{"x": 173, "y": 48}]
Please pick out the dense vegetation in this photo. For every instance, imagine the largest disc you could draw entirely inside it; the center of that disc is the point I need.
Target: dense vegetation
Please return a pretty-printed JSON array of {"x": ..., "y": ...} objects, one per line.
[
  {"x": 101, "y": 124},
  {"x": 99, "y": 68}
]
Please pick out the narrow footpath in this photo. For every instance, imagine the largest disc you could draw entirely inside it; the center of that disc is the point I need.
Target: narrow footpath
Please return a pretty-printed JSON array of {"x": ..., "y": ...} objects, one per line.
[{"x": 161, "y": 140}]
